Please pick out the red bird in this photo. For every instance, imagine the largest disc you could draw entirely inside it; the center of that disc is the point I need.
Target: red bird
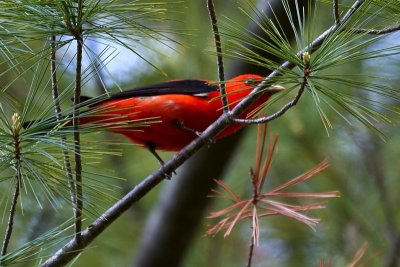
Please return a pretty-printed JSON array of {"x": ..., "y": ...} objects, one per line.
[
  {"x": 181, "y": 109},
  {"x": 175, "y": 112}
]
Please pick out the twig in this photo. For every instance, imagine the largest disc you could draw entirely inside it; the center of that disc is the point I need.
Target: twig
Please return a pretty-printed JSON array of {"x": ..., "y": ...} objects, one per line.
[
  {"x": 72, "y": 248},
  {"x": 376, "y": 31},
  {"x": 336, "y": 11},
  {"x": 75, "y": 122},
  {"x": 218, "y": 47},
  {"x": 77, "y": 146},
  {"x": 59, "y": 117},
  {"x": 280, "y": 112},
  {"x": 251, "y": 250},
  {"x": 254, "y": 202},
  {"x": 16, "y": 126},
  {"x": 10, "y": 223}
]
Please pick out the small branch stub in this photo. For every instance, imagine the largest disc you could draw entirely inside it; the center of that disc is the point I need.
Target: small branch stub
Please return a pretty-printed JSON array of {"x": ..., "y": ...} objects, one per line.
[
  {"x": 306, "y": 59},
  {"x": 307, "y": 64},
  {"x": 16, "y": 124}
]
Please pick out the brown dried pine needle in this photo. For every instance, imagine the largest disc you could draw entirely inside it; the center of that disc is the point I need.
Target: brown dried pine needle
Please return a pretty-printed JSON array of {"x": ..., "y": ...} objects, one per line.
[{"x": 266, "y": 204}]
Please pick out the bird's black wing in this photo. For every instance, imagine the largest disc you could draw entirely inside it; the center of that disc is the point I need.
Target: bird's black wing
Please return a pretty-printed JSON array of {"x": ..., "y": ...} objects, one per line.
[{"x": 184, "y": 87}]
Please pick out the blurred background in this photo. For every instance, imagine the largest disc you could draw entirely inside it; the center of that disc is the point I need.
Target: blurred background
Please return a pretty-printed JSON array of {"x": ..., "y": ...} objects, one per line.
[{"x": 166, "y": 227}]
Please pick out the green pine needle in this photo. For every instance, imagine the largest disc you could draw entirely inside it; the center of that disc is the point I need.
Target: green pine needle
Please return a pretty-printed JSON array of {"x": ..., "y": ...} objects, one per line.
[
  {"x": 36, "y": 249},
  {"x": 365, "y": 98},
  {"x": 26, "y": 23}
]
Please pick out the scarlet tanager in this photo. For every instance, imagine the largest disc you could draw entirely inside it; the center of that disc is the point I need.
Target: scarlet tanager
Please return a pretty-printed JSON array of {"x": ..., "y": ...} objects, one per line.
[{"x": 182, "y": 109}]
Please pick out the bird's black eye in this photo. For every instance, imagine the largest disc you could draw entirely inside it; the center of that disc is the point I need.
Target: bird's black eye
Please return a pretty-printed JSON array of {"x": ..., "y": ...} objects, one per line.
[{"x": 250, "y": 81}]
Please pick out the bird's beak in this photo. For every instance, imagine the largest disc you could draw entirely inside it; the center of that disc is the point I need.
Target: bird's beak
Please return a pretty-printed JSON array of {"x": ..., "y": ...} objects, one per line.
[{"x": 275, "y": 89}]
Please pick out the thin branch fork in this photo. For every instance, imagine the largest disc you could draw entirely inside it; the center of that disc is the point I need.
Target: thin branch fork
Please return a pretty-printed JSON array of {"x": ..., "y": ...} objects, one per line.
[
  {"x": 307, "y": 69},
  {"x": 383, "y": 31},
  {"x": 283, "y": 110},
  {"x": 70, "y": 250},
  {"x": 257, "y": 91}
]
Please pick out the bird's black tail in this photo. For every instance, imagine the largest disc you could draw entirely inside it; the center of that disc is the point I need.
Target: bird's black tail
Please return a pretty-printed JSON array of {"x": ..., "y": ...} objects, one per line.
[{"x": 49, "y": 123}]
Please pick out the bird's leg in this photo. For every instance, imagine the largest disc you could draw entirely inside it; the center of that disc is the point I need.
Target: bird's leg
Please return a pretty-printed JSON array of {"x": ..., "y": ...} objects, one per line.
[
  {"x": 152, "y": 148},
  {"x": 179, "y": 124}
]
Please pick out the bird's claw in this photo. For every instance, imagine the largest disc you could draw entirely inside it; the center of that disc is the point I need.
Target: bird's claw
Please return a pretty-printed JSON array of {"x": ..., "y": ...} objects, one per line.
[
  {"x": 167, "y": 176},
  {"x": 179, "y": 124},
  {"x": 152, "y": 148}
]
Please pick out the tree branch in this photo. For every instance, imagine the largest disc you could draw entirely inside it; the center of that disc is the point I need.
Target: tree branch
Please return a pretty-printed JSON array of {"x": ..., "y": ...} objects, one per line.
[
  {"x": 77, "y": 145},
  {"x": 75, "y": 123},
  {"x": 59, "y": 117},
  {"x": 218, "y": 47}
]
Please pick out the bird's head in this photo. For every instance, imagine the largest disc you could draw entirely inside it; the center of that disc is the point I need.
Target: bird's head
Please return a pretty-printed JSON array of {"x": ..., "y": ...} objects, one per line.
[{"x": 240, "y": 86}]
